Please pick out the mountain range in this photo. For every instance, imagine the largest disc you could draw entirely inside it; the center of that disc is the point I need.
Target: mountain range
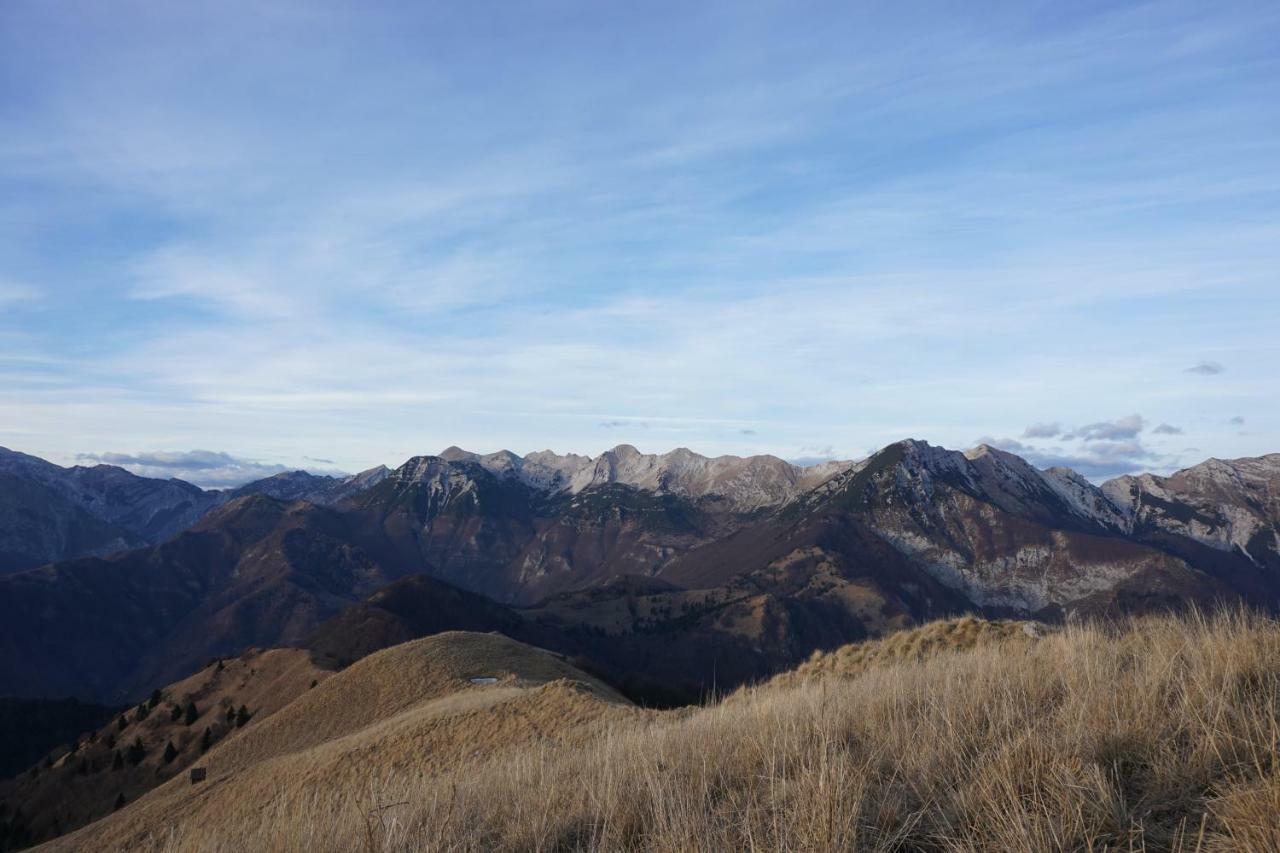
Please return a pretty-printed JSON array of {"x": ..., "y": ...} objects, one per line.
[
  {"x": 49, "y": 513},
  {"x": 672, "y": 574}
]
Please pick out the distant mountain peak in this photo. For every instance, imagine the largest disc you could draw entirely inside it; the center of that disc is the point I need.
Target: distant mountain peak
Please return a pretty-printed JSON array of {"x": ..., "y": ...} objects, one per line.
[{"x": 745, "y": 483}]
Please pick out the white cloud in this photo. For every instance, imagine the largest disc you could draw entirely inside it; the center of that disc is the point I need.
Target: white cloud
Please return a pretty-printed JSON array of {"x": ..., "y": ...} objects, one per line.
[
  {"x": 1127, "y": 427},
  {"x": 12, "y": 292},
  {"x": 1048, "y": 430},
  {"x": 206, "y": 468}
]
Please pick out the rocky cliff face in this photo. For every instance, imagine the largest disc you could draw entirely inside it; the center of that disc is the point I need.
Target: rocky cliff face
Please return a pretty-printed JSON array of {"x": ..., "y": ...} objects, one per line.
[{"x": 1231, "y": 505}]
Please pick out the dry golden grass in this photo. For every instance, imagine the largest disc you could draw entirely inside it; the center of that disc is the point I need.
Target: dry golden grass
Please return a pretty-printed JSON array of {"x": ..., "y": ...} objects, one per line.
[
  {"x": 409, "y": 711},
  {"x": 950, "y": 635},
  {"x": 1161, "y": 734}
]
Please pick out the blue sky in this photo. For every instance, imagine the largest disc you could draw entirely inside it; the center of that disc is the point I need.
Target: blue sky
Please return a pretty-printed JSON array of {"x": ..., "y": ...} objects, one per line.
[{"x": 331, "y": 235}]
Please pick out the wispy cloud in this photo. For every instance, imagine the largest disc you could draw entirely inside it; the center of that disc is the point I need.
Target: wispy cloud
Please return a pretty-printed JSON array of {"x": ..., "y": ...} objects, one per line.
[
  {"x": 835, "y": 228},
  {"x": 13, "y": 291},
  {"x": 627, "y": 424},
  {"x": 207, "y": 468},
  {"x": 1121, "y": 428},
  {"x": 1042, "y": 430}
]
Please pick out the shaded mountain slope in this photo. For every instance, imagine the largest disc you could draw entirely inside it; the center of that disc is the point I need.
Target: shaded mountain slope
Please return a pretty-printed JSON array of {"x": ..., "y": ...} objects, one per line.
[
  {"x": 409, "y": 609},
  {"x": 49, "y": 513},
  {"x": 256, "y": 572},
  {"x": 39, "y": 526},
  {"x": 29, "y": 728},
  {"x": 74, "y": 787}
]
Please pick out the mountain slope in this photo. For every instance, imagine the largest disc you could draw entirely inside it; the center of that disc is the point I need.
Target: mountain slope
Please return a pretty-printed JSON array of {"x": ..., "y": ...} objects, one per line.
[
  {"x": 1007, "y": 537},
  {"x": 661, "y": 590},
  {"x": 1156, "y": 733},
  {"x": 255, "y": 572},
  {"x": 50, "y": 513},
  {"x": 83, "y": 783},
  {"x": 414, "y": 708},
  {"x": 313, "y": 488},
  {"x": 1231, "y": 506}
]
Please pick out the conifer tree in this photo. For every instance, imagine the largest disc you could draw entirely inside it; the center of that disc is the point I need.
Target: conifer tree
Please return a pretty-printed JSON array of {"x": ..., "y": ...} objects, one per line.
[
  {"x": 136, "y": 752},
  {"x": 169, "y": 753}
]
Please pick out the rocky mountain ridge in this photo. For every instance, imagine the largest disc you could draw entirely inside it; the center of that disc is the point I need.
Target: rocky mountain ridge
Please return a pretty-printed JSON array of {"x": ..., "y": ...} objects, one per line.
[
  {"x": 744, "y": 484},
  {"x": 688, "y": 587}
]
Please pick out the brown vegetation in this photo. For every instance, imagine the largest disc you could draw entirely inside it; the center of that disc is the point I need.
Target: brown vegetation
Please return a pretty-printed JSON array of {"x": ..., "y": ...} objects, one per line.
[
  {"x": 948, "y": 635},
  {"x": 1158, "y": 734},
  {"x": 184, "y": 720}
]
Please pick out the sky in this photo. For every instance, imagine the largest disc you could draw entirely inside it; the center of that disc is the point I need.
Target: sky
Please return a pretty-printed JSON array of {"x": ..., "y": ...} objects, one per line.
[{"x": 238, "y": 238}]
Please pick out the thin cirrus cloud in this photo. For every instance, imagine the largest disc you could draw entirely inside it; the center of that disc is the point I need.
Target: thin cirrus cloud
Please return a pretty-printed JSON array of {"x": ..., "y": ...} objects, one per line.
[
  {"x": 798, "y": 223},
  {"x": 1042, "y": 430},
  {"x": 1127, "y": 427},
  {"x": 13, "y": 291}
]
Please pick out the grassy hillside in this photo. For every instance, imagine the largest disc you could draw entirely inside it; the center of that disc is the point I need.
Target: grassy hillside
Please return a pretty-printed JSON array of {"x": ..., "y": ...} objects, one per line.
[
  {"x": 409, "y": 712},
  {"x": 1157, "y": 734},
  {"x": 142, "y": 746}
]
